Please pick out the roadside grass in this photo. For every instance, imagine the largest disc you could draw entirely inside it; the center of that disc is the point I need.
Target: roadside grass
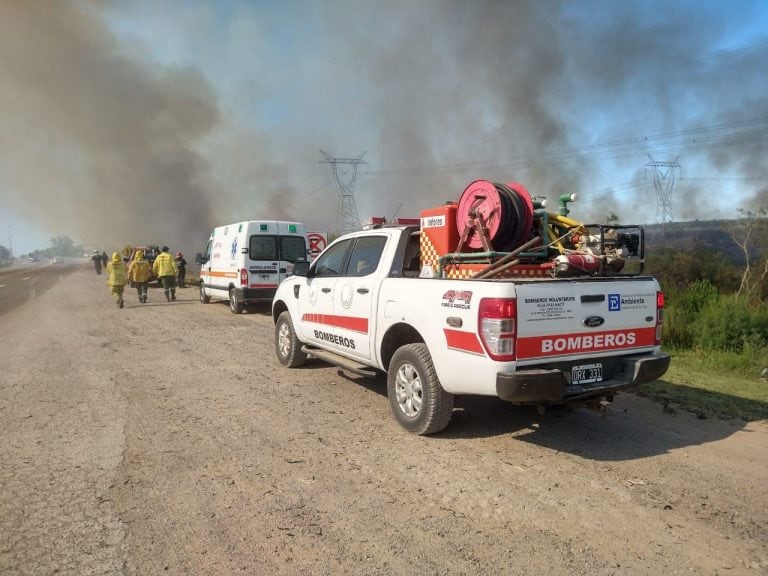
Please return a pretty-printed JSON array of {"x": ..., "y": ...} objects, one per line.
[{"x": 713, "y": 384}]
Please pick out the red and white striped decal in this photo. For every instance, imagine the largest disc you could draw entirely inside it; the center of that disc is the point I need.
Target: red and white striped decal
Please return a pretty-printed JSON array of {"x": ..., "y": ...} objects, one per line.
[
  {"x": 344, "y": 322},
  {"x": 463, "y": 341}
]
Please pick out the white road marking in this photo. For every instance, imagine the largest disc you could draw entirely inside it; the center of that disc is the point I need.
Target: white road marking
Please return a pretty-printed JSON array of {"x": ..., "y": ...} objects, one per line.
[
  {"x": 2, "y": 285},
  {"x": 27, "y": 278}
]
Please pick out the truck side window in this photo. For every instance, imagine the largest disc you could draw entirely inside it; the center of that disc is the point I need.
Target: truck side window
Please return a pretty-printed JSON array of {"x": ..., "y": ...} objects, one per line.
[
  {"x": 412, "y": 259},
  {"x": 330, "y": 263},
  {"x": 366, "y": 255}
]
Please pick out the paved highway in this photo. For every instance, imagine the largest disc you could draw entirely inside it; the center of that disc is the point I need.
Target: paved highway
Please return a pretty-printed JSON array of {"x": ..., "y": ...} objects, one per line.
[{"x": 23, "y": 283}]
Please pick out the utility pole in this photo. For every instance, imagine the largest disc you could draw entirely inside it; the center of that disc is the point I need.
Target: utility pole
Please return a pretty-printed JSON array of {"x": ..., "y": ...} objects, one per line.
[
  {"x": 345, "y": 173},
  {"x": 10, "y": 243},
  {"x": 664, "y": 182}
]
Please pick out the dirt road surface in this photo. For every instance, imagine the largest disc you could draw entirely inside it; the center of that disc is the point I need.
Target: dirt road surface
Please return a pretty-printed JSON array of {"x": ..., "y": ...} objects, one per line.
[{"x": 166, "y": 439}]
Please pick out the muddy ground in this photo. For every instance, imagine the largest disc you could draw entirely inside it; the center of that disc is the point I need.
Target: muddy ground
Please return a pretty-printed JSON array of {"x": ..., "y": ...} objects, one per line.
[{"x": 166, "y": 439}]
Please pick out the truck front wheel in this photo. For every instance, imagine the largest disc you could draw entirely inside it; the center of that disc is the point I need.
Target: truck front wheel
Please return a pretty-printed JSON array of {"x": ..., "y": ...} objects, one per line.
[
  {"x": 287, "y": 345},
  {"x": 416, "y": 397}
]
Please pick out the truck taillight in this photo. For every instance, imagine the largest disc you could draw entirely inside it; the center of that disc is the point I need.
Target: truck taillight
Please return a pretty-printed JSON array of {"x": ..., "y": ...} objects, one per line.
[
  {"x": 659, "y": 315},
  {"x": 497, "y": 320},
  {"x": 243, "y": 277}
]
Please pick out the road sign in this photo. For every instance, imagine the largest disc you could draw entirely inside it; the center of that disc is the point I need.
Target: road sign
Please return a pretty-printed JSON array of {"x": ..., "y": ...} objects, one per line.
[{"x": 317, "y": 242}]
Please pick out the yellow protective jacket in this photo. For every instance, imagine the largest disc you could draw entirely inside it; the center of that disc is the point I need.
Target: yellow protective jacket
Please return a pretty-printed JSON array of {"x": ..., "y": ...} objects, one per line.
[
  {"x": 116, "y": 273},
  {"x": 138, "y": 271},
  {"x": 164, "y": 265}
]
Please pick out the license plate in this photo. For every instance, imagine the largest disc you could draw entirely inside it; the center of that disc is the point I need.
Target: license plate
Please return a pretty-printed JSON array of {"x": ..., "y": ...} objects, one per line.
[{"x": 587, "y": 374}]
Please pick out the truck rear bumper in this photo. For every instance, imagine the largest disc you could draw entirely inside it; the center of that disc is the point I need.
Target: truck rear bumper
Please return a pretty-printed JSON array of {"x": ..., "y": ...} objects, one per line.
[{"x": 551, "y": 385}]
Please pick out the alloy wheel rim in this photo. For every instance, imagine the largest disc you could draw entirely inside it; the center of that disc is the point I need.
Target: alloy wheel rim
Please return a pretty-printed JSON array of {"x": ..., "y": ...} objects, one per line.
[
  {"x": 409, "y": 390},
  {"x": 283, "y": 340}
]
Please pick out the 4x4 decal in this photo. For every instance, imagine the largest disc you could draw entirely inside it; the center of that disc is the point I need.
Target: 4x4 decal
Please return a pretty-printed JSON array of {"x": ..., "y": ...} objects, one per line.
[{"x": 457, "y": 299}]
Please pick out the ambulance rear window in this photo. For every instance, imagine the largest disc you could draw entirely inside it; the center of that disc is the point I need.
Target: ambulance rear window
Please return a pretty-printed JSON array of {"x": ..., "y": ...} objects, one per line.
[
  {"x": 262, "y": 248},
  {"x": 292, "y": 248}
]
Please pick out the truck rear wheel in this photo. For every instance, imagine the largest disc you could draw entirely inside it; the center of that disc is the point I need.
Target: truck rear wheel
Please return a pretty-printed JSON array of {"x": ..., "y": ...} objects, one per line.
[
  {"x": 235, "y": 305},
  {"x": 287, "y": 345},
  {"x": 416, "y": 397}
]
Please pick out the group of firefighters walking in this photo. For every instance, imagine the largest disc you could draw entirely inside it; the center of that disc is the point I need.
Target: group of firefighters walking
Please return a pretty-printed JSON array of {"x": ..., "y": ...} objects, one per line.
[{"x": 165, "y": 267}]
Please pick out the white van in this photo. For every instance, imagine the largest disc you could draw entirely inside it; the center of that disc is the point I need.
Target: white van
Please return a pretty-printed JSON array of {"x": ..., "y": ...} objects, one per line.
[{"x": 245, "y": 261}]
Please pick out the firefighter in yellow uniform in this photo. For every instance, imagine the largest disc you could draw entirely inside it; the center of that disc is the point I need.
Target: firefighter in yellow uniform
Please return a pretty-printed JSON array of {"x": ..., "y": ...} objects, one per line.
[
  {"x": 138, "y": 273},
  {"x": 165, "y": 269},
  {"x": 116, "y": 278}
]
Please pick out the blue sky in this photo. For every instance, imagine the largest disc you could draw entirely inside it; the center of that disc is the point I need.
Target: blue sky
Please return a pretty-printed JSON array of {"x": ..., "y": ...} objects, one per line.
[{"x": 180, "y": 115}]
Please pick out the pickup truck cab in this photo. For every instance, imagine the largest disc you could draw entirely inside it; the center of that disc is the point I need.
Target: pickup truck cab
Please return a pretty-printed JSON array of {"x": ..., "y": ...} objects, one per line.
[{"x": 363, "y": 306}]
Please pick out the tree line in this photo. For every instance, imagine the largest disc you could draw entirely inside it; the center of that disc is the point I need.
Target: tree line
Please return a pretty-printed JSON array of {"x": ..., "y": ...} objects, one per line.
[
  {"x": 60, "y": 246},
  {"x": 714, "y": 303}
]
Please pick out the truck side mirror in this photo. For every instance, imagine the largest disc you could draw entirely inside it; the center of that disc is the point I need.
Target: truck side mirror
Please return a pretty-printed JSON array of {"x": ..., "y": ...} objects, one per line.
[
  {"x": 199, "y": 258},
  {"x": 301, "y": 268}
]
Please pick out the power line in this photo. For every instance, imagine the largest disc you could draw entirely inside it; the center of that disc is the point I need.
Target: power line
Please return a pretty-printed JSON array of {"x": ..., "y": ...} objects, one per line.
[{"x": 692, "y": 139}]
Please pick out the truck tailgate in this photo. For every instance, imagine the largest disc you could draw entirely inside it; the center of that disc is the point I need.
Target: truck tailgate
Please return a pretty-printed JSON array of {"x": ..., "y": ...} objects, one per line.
[{"x": 557, "y": 320}]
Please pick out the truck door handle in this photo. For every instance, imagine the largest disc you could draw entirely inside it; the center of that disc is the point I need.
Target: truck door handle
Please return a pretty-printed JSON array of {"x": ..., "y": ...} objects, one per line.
[
  {"x": 326, "y": 290},
  {"x": 283, "y": 270},
  {"x": 363, "y": 290}
]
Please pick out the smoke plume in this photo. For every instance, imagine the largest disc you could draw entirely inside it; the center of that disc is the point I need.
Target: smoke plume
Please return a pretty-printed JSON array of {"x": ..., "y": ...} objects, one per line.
[{"x": 110, "y": 141}]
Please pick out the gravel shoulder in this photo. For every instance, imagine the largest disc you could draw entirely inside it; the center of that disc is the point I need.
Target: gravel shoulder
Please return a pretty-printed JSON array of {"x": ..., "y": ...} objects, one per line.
[{"x": 166, "y": 439}]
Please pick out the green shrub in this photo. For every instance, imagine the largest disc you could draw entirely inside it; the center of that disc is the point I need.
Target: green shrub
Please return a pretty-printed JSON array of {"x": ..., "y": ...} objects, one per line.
[
  {"x": 682, "y": 310},
  {"x": 699, "y": 295},
  {"x": 678, "y": 331},
  {"x": 729, "y": 324}
]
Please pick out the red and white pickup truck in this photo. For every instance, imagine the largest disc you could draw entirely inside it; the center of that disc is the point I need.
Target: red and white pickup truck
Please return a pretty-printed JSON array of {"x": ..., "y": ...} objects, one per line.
[{"x": 542, "y": 341}]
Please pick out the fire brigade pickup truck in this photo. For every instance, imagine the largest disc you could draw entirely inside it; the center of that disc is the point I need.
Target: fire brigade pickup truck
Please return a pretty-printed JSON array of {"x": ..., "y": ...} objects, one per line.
[{"x": 366, "y": 304}]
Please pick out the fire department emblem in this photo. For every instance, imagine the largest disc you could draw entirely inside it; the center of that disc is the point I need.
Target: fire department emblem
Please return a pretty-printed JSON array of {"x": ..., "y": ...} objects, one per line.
[{"x": 346, "y": 295}]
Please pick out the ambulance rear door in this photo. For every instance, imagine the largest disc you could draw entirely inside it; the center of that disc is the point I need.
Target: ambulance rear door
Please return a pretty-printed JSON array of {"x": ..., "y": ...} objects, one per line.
[{"x": 273, "y": 249}]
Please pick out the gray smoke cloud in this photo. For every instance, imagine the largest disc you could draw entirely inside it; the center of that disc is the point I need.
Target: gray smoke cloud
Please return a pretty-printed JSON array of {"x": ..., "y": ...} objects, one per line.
[
  {"x": 94, "y": 142},
  {"x": 103, "y": 139}
]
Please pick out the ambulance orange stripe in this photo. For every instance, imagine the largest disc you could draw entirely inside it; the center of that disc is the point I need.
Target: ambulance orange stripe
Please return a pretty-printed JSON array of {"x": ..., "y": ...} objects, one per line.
[{"x": 223, "y": 274}]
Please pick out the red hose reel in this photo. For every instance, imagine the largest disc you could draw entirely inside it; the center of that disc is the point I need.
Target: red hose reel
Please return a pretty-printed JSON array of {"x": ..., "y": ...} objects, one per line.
[{"x": 493, "y": 216}]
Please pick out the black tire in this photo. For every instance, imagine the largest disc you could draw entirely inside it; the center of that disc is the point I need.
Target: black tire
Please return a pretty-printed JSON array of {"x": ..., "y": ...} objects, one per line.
[
  {"x": 204, "y": 298},
  {"x": 235, "y": 305},
  {"x": 287, "y": 345},
  {"x": 416, "y": 398}
]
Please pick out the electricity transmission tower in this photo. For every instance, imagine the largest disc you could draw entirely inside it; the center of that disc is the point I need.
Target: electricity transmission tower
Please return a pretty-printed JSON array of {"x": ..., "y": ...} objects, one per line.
[
  {"x": 345, "y": 173},
  {"x": 664, "y": 182}
]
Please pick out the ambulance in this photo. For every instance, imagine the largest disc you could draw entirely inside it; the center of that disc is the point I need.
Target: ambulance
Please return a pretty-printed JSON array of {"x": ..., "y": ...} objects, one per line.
[{"x": 244, "y": 262}]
